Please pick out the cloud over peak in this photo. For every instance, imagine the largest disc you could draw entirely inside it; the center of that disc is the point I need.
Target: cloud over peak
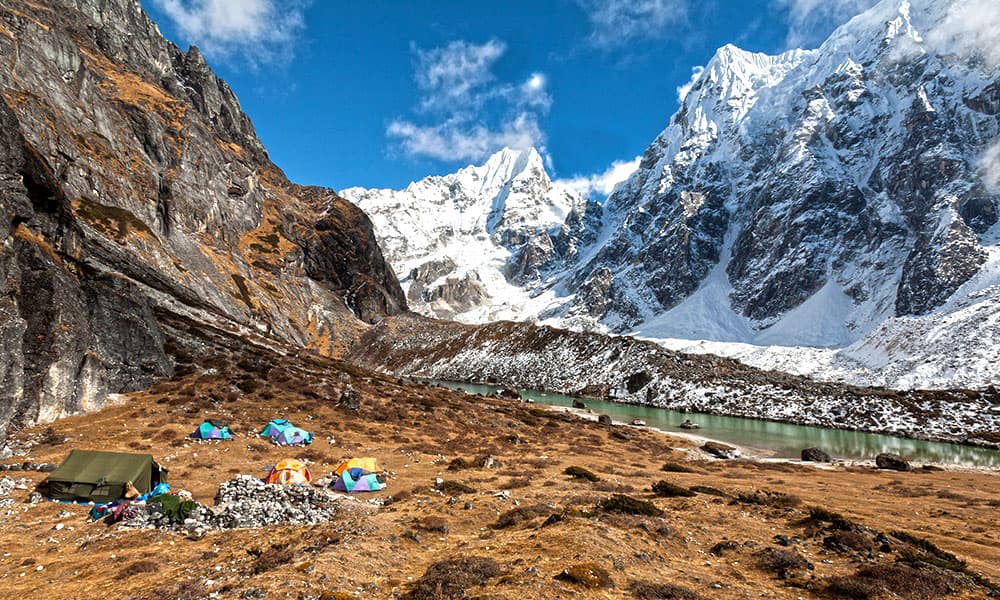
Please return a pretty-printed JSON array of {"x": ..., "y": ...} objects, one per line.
[{"x": 464, "y": 111}]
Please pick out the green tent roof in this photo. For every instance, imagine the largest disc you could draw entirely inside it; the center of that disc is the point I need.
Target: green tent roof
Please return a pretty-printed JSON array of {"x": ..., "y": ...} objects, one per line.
[{"x": 90, "y": 475}]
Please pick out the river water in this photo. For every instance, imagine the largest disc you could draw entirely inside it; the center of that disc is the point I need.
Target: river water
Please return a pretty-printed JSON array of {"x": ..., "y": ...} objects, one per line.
[{"x": 769, "y": 438}]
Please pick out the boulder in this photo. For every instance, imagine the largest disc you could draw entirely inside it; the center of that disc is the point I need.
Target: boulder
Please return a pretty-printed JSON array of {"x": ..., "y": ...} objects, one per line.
[
  {"x": 815, "y": 455},
  {"x": 720, "y": 450},
  {"x": 579, "y": 404},
  {"x": 604, "y": 419},
  {"x": 350, "y": 398},
  {"x": 892, "y": 462},
  {"x": 509, "y": 393}
]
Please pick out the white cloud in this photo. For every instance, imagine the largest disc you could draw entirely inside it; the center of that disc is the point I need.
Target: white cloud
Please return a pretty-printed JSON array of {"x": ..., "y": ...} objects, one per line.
[
  {"x": 971, "y": 28},
  {"x": 602, "y": 184},
  {"x": 255, "y": 31},
  {"x": 464, "y": 112},
  {"x": 811, "y": 21},
  {"x": 617, "y": 22},
  {"x": 683, "y": 90},
  {"x": 456, "y": 73},
  {"x": 989, "y": 167},
  {"x": 455, "y": 140}
]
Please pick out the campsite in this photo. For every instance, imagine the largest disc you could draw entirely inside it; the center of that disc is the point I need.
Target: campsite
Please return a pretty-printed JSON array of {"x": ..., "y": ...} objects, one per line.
[{"x": 484, "y": 479}]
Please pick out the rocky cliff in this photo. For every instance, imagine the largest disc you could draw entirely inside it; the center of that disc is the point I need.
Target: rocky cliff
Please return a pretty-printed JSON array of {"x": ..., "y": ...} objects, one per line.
[{"x": 134, "y": 195}]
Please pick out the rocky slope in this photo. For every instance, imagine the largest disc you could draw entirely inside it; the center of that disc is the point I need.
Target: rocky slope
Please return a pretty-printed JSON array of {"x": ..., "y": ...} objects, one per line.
[
  {"x": 136, "y": 199},
  {"x": 842, "y": 197},
  {"x": 629, "y": 370}
]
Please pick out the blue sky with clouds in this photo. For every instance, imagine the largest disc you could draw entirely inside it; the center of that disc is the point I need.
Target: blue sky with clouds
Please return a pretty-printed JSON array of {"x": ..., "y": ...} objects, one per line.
[{"x": 378, "y": 93}]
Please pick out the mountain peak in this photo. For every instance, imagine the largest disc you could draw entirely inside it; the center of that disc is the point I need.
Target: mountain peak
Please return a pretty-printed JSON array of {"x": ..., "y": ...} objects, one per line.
[{"x": 509, "y": 163}]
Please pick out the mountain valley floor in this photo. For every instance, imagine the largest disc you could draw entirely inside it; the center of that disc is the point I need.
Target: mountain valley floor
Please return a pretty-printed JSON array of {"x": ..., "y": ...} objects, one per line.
[{"x": 507, "y": 521}]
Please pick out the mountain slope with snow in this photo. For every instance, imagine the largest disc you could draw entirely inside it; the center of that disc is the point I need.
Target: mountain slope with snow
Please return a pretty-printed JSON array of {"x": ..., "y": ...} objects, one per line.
[
  {"x": 843, "y": 200},
  {"x": 477, "y": 244}
]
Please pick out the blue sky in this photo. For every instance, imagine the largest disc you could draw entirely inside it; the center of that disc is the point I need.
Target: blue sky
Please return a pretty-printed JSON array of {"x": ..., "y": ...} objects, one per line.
[{"x": 378, "y": 93}]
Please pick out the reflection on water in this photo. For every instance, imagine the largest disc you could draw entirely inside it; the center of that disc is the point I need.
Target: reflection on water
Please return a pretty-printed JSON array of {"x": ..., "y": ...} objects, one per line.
[{"x": 781, "y": 440}]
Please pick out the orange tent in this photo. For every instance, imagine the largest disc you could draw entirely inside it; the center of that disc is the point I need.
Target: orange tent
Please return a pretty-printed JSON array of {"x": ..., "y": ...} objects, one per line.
[
  {"x": 369, "y": 465},
  {"x": 289, "y": 471}
]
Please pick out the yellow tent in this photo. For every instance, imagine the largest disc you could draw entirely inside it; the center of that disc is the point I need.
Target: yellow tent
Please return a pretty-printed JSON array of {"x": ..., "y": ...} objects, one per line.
[
  {"x": 289, "y": 471},
  {"x": 365, "y": 464}
]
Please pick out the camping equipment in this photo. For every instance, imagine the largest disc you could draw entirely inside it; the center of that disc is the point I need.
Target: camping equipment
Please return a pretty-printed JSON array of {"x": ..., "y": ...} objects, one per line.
[
  {"x": 367, "y": 464},
  {"x": 289, "y": 471},
  {"x": 100, "y": 477},
  {"x": 357, "y": 480},
  {"x": 292, "y": 436},
  {"x": 212, "y": 430},
  {"x": 274, "y": 427}
]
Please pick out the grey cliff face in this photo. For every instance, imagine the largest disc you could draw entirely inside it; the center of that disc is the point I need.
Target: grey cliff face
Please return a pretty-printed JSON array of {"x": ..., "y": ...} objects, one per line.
[{"x": 134, "y": 192}]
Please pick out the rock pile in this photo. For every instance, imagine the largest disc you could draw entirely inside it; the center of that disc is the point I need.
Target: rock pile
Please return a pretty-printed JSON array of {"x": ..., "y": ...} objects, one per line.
[
  {"x": 7, "y": 486},
  {"x": 244, "y": 502}
]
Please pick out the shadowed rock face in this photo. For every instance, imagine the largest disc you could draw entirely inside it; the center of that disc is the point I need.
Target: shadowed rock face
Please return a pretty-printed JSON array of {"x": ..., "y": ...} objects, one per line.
[{"x": 133, "y": 189}]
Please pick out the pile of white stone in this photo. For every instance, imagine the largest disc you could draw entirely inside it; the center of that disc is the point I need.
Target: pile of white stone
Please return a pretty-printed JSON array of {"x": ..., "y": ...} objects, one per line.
[{"x": 245, "y": 502}]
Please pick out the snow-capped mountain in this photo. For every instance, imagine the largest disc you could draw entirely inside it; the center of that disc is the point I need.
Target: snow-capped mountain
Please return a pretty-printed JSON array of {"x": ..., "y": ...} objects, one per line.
[
  {"x": 477, "y": 244},
  {"x": 842, "y": 199}
]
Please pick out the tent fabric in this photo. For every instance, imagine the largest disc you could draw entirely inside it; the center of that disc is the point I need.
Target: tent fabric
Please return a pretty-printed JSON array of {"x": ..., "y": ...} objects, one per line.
[
  {"x": 212, "y": 430},
  {"x": 293, "y": 436},
  {"x": 274, "y": 427},
  {"x": 357, "y": 480},
  {"x": 289, "y": 471},
  {"x": 366, "y": 464},
  {"x": 94, "y": 476}
]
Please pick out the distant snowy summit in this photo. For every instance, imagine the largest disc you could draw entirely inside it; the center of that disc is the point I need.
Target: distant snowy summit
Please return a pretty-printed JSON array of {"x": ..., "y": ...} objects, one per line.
[
  {"x": 475, "y": 244},
  {"x": 844, "y": 199}
]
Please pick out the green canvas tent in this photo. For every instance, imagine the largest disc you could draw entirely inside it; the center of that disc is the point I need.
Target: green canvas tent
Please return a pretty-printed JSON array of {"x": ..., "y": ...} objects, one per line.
[{"x": 92, "y": 476}]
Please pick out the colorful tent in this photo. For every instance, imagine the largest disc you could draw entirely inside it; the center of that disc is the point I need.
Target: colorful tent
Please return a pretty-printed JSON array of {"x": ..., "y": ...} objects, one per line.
[
  {"x": 274, "y": 427},
  {"x": 213, "y": 430},
  {"x": 293, "y": 436},
  {"x": 289, "y": 471},
  {"x": 93, "y": 476},
  {"x": 357, "y": 480},
  {"x": 369, "y": 465}
]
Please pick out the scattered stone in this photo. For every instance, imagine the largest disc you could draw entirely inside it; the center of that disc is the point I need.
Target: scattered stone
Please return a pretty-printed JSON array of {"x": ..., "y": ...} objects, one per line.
[
  {"x": 815, "y": 455},
  {"x": 350, "y": 398},
  {"x": 689, "y": 424},
  {"x": 489, "y": 462},
  {"x": 892, "y": 462},
  {"x": 720, "y": 450}
]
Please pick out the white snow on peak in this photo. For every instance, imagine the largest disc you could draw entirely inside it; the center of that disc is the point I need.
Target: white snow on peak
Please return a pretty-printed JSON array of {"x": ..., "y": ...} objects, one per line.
[{"x": 474, "y": 219}]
